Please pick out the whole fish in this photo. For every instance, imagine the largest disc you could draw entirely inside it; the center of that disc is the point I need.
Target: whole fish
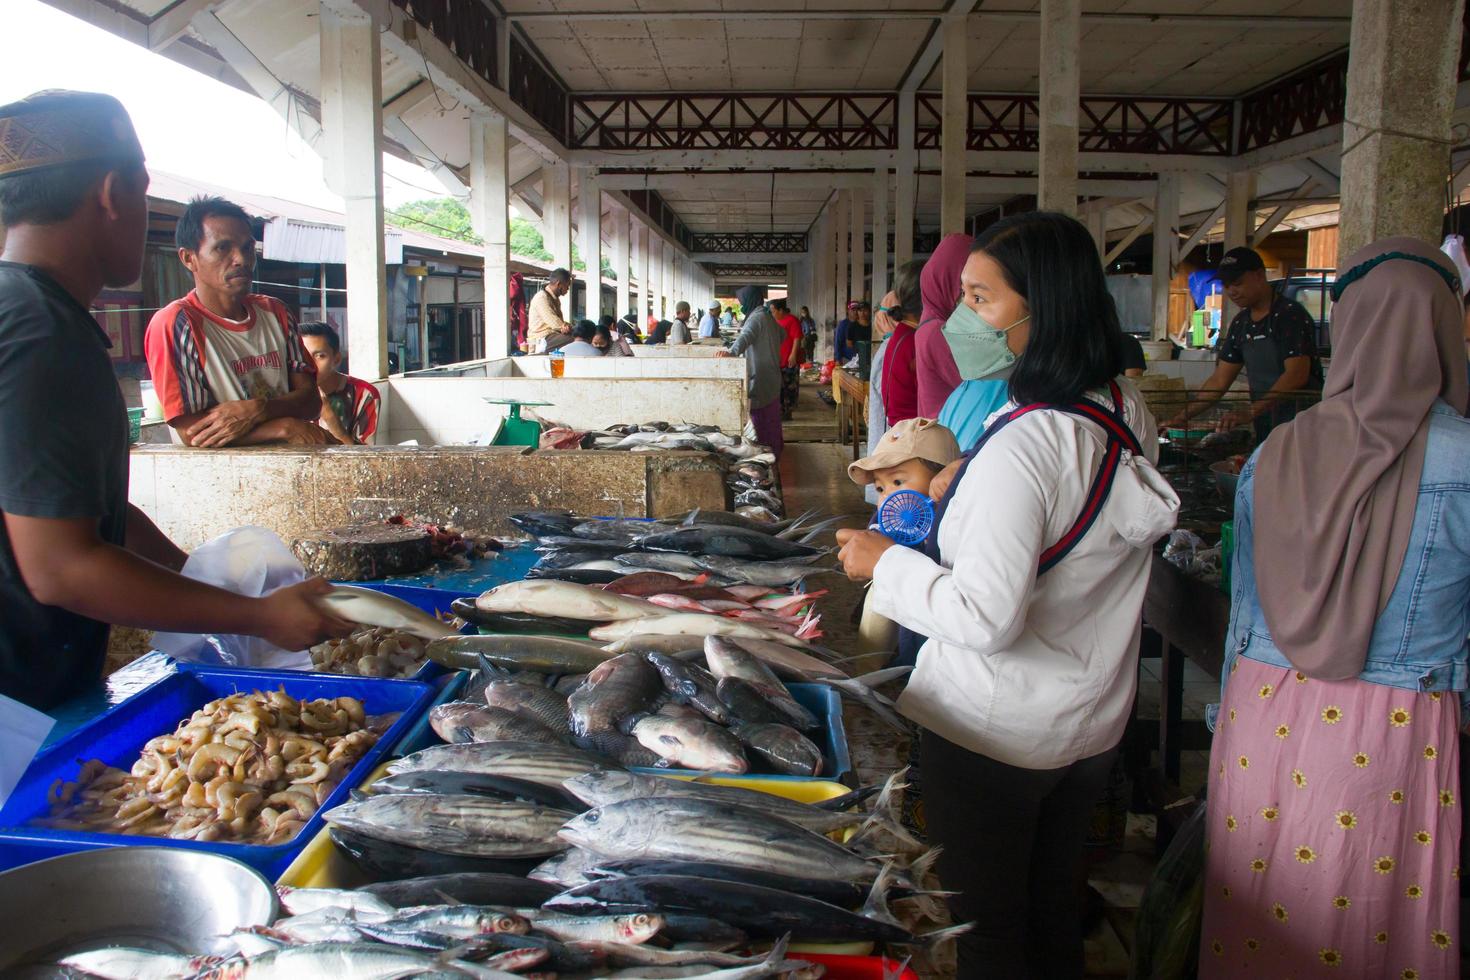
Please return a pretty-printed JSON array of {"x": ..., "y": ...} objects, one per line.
[
  {"x": 511, "y": 891},
  {"x": 559, "y": 957},
  {"x": 462, "y": 721},
  {"x": 671, "y": 643},
  {"x": 785, "y": 748},
  {"x": 726, "y": 541},
  {"x": 543, "y": 654},
  {"x": 690, "y": 684},
  {"x": 591, "y": 573},
  {"x": 605, "y": 788},
  {"x": 565, "y": 869},
  {"x": 644, "y": 584},
  {"x": 535, "y": 762},
  {"x": 321, "y": 926},
  {"x": 692, "y": 743},
  {"x": 843, "y": 893},
  {"x": 689, "y": 624},
  {"x": 541, "y": 523},
  {"x": 456, "y": 921},
  {"x": 621, "y": 747},
  {"x": 757, "y": 910},
  {"x": 746, "y": 703},
  {"x": 383, "y": 860},
  {"x": 379, "y": 609},
  {"x": 728, "y": 519},
  {"x": 623, "y": 532},
  {"x": 125, "y": 963},
  {"x": 633, "y": 929},
  {"x": 466, "y": 610},
  {"x": 772, "y": 574},
  {"x": 729, "y": 660},
  {"x": 622, "y": 686},
  {"x": 697, "y": 830},
  {"x": 445, "y": 782},
  {"x": 589, "y": 548},
  {"x": 549, "y": 598},
  {"x": 672, "y": 563},
  {"x": 544, "y": 704},
  {"x": 468, "y": 825},
  {"x": 303, "y": 901},
  {"x": 358, "y": 961},
  {"x": 781, "y": 658}
]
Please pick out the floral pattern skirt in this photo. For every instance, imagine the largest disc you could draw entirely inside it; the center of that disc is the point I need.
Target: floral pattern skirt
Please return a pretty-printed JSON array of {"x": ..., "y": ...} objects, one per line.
[{"x": 1333, "y": 842}]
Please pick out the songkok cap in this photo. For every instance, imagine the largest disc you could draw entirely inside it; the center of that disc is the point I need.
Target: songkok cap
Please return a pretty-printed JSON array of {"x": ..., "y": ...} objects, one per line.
[
  {"x": 58, "y": 127},
  {"x": 910, "y": 439}
]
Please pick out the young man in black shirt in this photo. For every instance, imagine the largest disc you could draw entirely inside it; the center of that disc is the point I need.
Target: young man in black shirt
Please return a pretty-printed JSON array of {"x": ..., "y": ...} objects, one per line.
[
  {"x": 75, "y": 556},
  {"x": 1272, "y": 338}
]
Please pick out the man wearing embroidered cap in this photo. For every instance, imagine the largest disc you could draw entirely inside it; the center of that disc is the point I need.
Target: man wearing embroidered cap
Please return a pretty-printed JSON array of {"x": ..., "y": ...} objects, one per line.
[
  {"x": 74, "y": 555},
  {"x": 1273, "y": 338}
]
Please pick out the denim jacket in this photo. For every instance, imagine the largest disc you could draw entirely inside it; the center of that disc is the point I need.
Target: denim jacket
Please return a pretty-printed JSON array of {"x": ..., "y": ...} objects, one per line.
[{"x": 1419, "y": 642}]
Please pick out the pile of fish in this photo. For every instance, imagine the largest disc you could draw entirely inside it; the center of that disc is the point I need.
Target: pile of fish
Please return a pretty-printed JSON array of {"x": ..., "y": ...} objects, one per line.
[
  {"x": 727, "y": 548},
  {"x": 251, "y": 768},
  {"x": 751, "y": 467},
  {"x": 648, "y": 707}
]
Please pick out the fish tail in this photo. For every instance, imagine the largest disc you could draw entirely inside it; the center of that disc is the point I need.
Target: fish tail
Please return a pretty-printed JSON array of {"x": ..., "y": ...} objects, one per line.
[
  {"x": 873, "y": 701},
  {"x": 885, "y": 814},
  {"x": 875, "y": 678},
  {"x": 876, "y": 906},
  {"x": 930, "y": 940},
  {"x": 922, "y": 866}
]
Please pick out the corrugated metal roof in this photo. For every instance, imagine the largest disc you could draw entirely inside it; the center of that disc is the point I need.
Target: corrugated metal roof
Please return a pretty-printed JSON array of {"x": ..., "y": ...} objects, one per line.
[{"x": 289, "y": 240}]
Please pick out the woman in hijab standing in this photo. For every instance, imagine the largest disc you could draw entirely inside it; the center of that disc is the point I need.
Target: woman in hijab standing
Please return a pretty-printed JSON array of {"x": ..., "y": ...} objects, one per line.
[
  {"x": 939, "y": 286},
  {"x": 1334, "y": 797},
  {"x": 760, "y": 342}
]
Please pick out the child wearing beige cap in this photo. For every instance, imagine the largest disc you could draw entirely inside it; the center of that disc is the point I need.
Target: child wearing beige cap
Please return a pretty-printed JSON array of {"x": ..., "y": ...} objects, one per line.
[{"x": 907, "y": 457}]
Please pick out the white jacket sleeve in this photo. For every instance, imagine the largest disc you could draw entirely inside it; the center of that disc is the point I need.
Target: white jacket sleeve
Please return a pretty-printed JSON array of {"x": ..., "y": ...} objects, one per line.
[{"x": 999, "y": 513}]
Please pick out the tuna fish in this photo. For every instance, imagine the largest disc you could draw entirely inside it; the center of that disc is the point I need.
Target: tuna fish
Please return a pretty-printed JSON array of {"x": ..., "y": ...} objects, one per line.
[
  {"x": 470, "y": 889},
  {"x": 468, "y": 825},
  {"x": 549, "y": 765},
  {"x": 730, "y": 542}
]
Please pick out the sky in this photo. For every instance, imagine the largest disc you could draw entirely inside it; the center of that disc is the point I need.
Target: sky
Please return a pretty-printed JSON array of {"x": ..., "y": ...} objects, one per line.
[{"x": 187, "y": 122}]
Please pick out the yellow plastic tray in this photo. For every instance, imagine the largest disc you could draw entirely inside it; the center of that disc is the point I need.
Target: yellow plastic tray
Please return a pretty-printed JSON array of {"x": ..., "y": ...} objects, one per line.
[{"x": 321, "y": 865}]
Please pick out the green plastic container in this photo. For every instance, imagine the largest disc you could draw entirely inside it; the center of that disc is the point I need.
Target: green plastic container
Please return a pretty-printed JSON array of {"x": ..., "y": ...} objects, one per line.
[
  {"x": 1227, "y": 554},
  {"x": 135, "y": 425}
]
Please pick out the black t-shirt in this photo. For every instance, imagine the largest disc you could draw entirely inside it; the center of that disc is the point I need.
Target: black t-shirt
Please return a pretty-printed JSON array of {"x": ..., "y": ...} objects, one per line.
[
  {"x": 1133, "y": 359},
  {"x": 1288, "y": 323},
  {"x": 63, "y": 454}
]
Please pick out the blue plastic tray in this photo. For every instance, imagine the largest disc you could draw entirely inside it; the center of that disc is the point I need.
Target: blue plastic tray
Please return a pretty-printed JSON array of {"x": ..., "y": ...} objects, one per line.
[{"x": 119, "y": 735}]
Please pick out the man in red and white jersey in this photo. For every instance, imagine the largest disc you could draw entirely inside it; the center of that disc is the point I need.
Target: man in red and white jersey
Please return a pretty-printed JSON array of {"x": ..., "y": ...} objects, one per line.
[{"x": 228, "y": 364}]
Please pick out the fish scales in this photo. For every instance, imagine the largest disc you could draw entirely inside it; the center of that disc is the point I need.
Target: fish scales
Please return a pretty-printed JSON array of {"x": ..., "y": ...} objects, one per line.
[{"x": 469, "y": 825}]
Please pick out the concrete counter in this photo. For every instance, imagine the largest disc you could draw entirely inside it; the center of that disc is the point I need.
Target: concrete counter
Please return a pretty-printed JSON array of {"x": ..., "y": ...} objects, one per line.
[
  {"x": 195, "y": 494},
  {"x": 674, "y": 364}
]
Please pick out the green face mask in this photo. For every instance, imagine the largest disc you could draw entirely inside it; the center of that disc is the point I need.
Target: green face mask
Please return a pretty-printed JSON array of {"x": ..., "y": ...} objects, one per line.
[{"x": 979, "y": 347}]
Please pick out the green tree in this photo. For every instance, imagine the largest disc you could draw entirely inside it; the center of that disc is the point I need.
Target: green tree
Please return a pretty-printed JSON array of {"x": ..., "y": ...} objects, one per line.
[
  {"x": 526, "y": 240},
  {"x": 442, "y": 216}
]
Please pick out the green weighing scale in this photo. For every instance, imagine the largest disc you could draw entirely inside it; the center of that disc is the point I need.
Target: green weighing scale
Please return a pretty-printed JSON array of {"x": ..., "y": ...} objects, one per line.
[{"x": 514, "y": 430}]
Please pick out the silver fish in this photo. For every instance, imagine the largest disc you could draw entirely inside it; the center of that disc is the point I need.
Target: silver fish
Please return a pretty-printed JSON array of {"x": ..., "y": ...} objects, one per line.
[
  {"x": 697, "y": 830},
  {"x": 546, "y": 597},
  {"x": 772, "y": 574},
  {"x": 465, "y": 721},
  {"x": 692, "y": 743},
  {"x": 623, "y": 929},
  {"x": 549, "y": 765},
  {"x": 346, "y": 961},
  {"x": 544, "y": 654},
  {"x": 565, "y": 869},
  {"x": 664, "y": 561},
  {"x": 372, "y": 608},
  {"x": 124, "y": 963},
  {"x": 300, "y": 901},
  {"x": 780, "y": 657},
  {"x": 692, "y": 624},
  {"x": 466, "y": 825}
]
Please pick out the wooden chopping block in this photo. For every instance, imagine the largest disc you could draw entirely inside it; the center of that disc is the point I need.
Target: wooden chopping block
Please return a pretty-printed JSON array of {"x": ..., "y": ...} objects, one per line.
[{"x": 360, "y": 552}]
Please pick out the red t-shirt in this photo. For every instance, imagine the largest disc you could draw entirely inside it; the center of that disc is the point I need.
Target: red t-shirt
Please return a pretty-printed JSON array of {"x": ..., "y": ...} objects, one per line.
[
  {"x": 792, "y": 326},
  {"x": 198, "y": 360},
  {"x": 356, "y": 405},
  {"x": 900, "y": 376}
]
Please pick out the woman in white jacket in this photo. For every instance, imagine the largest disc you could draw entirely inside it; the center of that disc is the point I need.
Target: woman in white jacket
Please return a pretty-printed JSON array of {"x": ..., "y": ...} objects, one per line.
[{"x": 1030, "y": 591}]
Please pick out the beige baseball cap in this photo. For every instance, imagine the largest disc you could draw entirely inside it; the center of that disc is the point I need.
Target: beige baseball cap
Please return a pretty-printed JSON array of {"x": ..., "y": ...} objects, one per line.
[{"x": 910, "y": 439}]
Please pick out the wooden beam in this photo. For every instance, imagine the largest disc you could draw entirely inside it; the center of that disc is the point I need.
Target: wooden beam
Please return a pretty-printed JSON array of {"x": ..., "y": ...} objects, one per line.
[
  {"x": 1201, "y": 229},
  {"x": 1326, "y": 178},
  {"x": 173, "y": 21},
  {"x": 1127, "y": 240},
  {"x": 1279, "y": 215}
]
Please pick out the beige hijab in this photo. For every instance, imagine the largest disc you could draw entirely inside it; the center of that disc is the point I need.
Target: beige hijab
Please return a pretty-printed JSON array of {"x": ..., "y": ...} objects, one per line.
[{"x": 1335, "y": 490}]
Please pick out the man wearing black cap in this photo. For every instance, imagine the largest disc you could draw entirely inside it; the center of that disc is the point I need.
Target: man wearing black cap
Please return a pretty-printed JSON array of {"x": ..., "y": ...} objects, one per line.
[
  {"x": 75, "y": 556},
  {"x": 1272, "y": 337}
]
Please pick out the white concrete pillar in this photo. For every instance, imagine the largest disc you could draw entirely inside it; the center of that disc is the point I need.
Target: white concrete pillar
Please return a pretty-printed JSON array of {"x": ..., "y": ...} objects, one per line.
[
  {"x": 857, "y": 247},
  {"x": 955, "y": 123},
  {"x": 556, "y": 213},
  {"x": 668, "y": 279},
  {"x": 880, "y": 234},
  {"x": 1061, "y": 89},
  {"x": 1240, "y": 219},
  {"x": 622, "y": 223},
  {"x": 641, "y": 235},
  {"x": 842, "y": 287},
  {"x": 589, "y": 228},
  {"x": 904, "y": 182},
  {"x": 490, "y": 215},
  {"x": 1401, "y": 82},
  {"x": 1166, "y": 241},
  {"x": 352, "y": 124}
]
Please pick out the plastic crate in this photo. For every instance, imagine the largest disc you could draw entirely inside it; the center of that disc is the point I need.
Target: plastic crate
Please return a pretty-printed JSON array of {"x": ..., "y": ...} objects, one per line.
[
  {"x": 119, "y": 735},
  {"x": 135, "y": 425},
  {"x": 858, "y": 967}
]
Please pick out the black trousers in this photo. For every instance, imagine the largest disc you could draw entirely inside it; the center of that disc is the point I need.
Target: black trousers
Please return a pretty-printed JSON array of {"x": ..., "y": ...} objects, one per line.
[{"x": 1013, "y": 848}]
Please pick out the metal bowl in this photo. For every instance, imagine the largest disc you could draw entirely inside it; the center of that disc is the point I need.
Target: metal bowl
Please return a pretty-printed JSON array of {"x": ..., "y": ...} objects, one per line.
[{"x": 167, "y": 899}]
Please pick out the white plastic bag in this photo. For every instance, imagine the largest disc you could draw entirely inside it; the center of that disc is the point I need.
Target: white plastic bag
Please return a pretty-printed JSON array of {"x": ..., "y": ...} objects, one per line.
[
  {"x": 1454, "y": 247},
  {"x": 22, "y": 730},
  {"x": 252, "y": 561}
]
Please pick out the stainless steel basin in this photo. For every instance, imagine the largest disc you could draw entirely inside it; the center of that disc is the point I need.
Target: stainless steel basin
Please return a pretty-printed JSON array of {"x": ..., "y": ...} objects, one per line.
[{"x": 167, "y": 899}]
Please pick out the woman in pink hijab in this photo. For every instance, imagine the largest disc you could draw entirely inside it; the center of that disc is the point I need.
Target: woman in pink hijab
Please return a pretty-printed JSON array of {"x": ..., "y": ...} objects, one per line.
[
  {"x": 939, "y": 286},
  {"x": 1334, "y": 794}
]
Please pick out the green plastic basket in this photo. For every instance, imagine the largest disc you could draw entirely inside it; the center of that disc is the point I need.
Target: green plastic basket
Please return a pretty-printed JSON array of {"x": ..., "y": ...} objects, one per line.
[
  {"x": 135, "y": 425},
  {"x": 1227, "y": 553}
]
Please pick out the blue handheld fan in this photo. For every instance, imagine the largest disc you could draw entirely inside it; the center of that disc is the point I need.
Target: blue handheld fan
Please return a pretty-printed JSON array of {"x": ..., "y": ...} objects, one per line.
[{"x": 906, "y": 517}]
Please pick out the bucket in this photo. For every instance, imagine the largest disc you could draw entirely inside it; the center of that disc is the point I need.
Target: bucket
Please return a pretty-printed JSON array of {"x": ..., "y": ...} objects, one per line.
[{"x": 1157, "y": 350}]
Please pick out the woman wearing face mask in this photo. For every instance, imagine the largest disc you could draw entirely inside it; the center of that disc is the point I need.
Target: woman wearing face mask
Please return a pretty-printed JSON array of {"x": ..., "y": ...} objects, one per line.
[{"x": 1030, "y": 589}]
